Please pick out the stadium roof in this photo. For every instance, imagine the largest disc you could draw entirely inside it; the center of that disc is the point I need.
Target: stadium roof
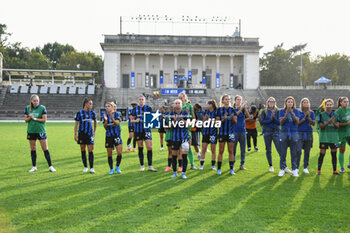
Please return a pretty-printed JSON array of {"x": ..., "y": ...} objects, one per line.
[{"x": 51, "y": 73}]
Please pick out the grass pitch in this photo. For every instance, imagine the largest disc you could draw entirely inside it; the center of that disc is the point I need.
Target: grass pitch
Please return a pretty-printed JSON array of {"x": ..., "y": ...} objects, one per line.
[{"x": 71, "y": 201}]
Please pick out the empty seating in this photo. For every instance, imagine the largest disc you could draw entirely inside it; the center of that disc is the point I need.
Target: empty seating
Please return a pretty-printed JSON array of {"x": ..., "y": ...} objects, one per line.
[
  {"x": 43, "y": 89},
  {"x": 81, "y": 89},
  {"x": 72, "y": 89},
  {"x": 24, "y": 90},
  {"x": 63, "y": 89},
  {"x": 53, "y": 89},
  {"x": 91, "y": 90},
  {"x": 34, "y": 90},
  {"x": 14, "y": 88}
]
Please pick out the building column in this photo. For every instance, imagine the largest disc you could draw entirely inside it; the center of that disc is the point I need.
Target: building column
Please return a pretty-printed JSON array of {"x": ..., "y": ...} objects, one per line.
[
  {"x": 112, "y": 69},
  {"x": 147, "y": 81},
  {"x": 204, "y": 81},
  {"x": 232, "y": 81},
  {"x": 217, "y": 81},
  {"x": 132, "y": 75},
  {"x": 175, "y": 69},
  {"x": 161, "y": 71},
  {"x": 189, "y": 69}
]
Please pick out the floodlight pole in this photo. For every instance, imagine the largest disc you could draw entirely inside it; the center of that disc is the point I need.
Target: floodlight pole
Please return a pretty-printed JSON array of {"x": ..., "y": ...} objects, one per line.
[
  {"x": 121, "y": 25},
  {"x": 301, "y": 68}
]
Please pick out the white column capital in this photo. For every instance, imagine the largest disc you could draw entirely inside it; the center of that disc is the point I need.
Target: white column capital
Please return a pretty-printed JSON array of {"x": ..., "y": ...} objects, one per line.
[{"x": 204, "y": 55}]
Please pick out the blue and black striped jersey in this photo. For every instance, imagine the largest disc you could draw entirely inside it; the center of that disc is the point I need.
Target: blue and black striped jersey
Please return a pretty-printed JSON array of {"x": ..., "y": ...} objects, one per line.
[
  {"x": 128, "y": 117},
  {"x": 210, "y": 130},
  {"x": 179, "y": 133},
  {"x": 227, "y": 125},
  {"x": 137, "y": 112},
  {"x": 85, "y": 121},
  {"x": 112, "y": 130}
]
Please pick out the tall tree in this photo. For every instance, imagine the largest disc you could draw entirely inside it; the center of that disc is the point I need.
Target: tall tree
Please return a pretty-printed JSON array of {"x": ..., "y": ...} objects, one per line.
[
  {"x": 277, "y": 68},
  {"x": 3, "y": 34},
  {"x": 54, "y": 51}
]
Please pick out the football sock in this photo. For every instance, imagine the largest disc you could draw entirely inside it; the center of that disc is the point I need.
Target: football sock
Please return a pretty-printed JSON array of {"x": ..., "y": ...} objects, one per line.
[
  {"x": 33, "y": 155},
  {"x": 320, "y": 161},
  {"x": 83, "y": 158},
  {"x": 185, "y": 162},
  {"x": 110, "y": 162},
  {"x": 334, "y": 160},
  {"x": 119, "y": 160},
  {"x": 141, "y": 156},
  {"x": 91, "y": 159},
  {"x": 48, "y": 158},
  {"x": 341, "y": 160},
  {"x": 149, "y": 157},
  {"x": 174, "y": 162}
]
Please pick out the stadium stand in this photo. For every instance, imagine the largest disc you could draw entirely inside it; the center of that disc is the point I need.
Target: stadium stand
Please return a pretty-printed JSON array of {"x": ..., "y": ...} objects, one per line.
[
  {"x": 59, "y": 107},
  {"x": 81, "y": 89},
  {"x": 34, "y": 89},
  {"x": 53, "y": 89},
  {"x": 72, "y": 89},
  {"x": 63, "y": 89},
  {"x": 91, "y": 90},
  {"x": 44, "y": 89},
  {"x": 24, "y": 90},
  {"x": 14, "y": 88}
]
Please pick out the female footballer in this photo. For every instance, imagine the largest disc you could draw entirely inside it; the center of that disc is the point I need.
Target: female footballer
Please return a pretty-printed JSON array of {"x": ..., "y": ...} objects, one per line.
[
  {"x": 228, "y": 118},
  {"x": 84, "y": 135},
  {"x": 35, "y": 115},
  {"x": 111, "y": 122},
  {"x": 210, "y": 134}
]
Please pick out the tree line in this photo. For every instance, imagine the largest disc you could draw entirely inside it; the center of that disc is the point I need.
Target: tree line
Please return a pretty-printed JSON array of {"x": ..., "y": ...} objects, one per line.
[
  {"x": 282, "y": 67},
  {"x": 279, "y": 67},
  {"x": 50, "y": 56}
]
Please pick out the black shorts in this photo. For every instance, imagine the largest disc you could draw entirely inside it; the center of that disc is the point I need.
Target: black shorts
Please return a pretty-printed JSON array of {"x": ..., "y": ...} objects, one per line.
[
  {"x": 36, "y": 136},
  {"x": 143, "y": 136},
  {"x": 111, "y": 142},
  {"x": 252, "y": 132},
  {"x": 131, "y": 129},
  {"x": 176, "y": 145},
  {"x": 169, "y": 143},
  {"x": 161, "y": 130},
  {"x": 324, "y": 145},
  {"x": 226, "y": 138},
  {"x": 195, "y": 138},
  {"x": 209, "y": 139},
  {"x": 85, "y": 139}
]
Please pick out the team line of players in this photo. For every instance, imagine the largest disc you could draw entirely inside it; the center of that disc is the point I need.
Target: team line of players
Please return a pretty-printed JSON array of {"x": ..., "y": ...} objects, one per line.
[{"x": 287, "y": 127}]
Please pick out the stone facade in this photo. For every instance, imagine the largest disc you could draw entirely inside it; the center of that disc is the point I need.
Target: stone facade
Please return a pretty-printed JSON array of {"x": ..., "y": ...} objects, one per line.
[{"x": 155, "y": 62}]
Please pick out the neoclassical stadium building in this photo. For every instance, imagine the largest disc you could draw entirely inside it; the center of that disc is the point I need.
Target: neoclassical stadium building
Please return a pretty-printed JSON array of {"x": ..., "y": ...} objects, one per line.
[{"x": 186, "y": 62}]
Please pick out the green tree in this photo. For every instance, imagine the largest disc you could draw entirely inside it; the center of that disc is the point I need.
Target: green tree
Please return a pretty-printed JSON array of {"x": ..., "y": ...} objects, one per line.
[
  {"x": 81, "y": 61},
  {"x": 3, "y": 34},
  {"x": 335, "y": 76},
  {"x": 38, "y": 61},
  {"x": 277, "y": 68},
  {"x": 54, "y": 51},
  {"x": 325, "y": 66}
]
